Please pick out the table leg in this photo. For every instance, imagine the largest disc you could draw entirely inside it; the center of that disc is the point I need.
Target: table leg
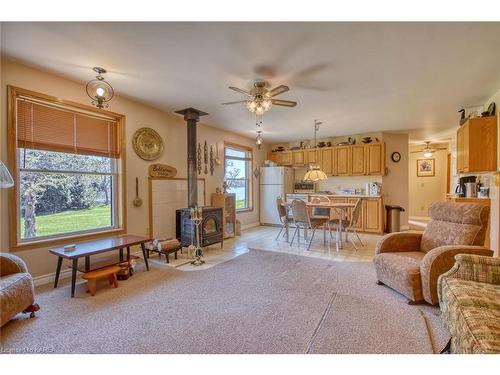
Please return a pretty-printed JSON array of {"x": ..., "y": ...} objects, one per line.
[
  {"x": 287, "y": 226},
  {"x": 87, "y": 263},
  {"x": 58, "y": 270},
  {"x": 121, "y": 255},
  {"x": 73, "y": 276},
  {"x": 128, "y": 254},
  {"x": 144, "y": 255}
]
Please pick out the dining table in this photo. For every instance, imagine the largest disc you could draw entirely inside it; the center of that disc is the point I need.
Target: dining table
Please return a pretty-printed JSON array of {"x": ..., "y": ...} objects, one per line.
[{"x": 340, "y": 207}]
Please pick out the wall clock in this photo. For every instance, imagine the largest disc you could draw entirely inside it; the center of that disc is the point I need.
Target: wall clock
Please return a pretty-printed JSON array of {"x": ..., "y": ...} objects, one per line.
[{"x": 395, "y": 157}]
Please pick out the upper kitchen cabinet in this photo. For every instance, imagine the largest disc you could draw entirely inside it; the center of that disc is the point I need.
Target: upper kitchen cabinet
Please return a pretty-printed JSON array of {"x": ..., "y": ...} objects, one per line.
[
  {"x": 284, "y": 158},
  {"x": 298, "y": 157},
  {"x": 477, "y": 145},
  {"x": 326, "y": 160},
  {"x": 343, "y": 160},
  {"x": 349, "y": 160},
  {"x": 358, "y": 161},
  {"x": 375, "y": 158},
  {"x": 311, "y": 156}
]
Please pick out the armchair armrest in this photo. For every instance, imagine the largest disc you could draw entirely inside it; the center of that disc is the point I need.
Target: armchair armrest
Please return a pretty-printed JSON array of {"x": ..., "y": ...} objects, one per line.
[
  {"x": 9, "y": 264},
  {"x": 475, "y": 268},
  {"x": 440, "y": 260},
  {"x": 399, "y": 242}
]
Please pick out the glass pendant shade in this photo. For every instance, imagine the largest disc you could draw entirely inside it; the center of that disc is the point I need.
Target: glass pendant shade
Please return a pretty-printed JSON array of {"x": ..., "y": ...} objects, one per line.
[
  {"x": 6, "y": 180},
  {"x": 100, "y": 92},
  {"x": 259, "y": 141},
  {"x": 315, "y": 174},
  {"x": 427, "y": 154},
  {"x": 251, "y": 105}
]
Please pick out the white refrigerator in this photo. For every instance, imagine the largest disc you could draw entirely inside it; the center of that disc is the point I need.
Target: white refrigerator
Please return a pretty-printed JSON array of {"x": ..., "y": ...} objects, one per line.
[{"x": 274, "y": 182}]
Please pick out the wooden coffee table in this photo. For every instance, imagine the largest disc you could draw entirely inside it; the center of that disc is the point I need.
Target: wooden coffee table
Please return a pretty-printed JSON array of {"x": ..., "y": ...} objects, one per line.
[{"x": 88, "y": 248}]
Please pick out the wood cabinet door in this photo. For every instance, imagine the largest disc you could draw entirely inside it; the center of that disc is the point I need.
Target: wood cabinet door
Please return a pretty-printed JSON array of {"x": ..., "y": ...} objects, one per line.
[
  {"x": 343, "y": 160},
  {"x": 375, "y": 159},
  {"x": 326, "y": 162},
  {"x": 272, "y": 156},
  {"x": 373, "y": 215},
  {"x": 358, "y": 160},
  {"x": 284, "y": 158},
  {"x": 465, "y": 148},
  {"x": 460, "y": 150},
  {"x": 311, "y": 156},
  {"x": 298, "y": 157},
  {"x": 358, "y": 225}
]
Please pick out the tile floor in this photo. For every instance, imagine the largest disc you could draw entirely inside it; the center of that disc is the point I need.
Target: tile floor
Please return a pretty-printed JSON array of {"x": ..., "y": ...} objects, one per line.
[{"x": 263, "y": 238}]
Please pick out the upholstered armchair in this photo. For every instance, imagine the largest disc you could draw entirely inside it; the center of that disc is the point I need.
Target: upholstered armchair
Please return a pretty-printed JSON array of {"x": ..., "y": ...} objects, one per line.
[
  {"x": 16, "y": 288},
  {"x": 411, "y": 263}
]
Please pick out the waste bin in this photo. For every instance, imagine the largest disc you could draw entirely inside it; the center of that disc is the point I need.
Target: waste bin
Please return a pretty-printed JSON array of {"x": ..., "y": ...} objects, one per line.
[{"x": 393, "y": 218}]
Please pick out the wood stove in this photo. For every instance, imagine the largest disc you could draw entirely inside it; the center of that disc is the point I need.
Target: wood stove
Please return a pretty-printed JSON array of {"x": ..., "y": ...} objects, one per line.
[{"x": 210, "y": 228}]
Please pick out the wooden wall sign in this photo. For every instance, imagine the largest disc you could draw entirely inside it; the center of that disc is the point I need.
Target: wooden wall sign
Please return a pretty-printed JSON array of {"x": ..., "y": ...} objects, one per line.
[{"x": 162, "y": 170}]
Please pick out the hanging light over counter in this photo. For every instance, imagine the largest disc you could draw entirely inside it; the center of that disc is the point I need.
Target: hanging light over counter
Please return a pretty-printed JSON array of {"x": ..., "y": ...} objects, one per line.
[{"x": 315, "y": 174}]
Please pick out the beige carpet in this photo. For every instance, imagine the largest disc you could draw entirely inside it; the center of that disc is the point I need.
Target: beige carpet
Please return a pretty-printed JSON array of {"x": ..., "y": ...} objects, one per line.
[{"x": 259, "y": 302}]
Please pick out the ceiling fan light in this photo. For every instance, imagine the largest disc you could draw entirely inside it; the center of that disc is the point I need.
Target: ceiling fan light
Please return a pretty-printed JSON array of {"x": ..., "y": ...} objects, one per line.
[
  {"x": 251, "y": 105},
  {"x": 259, "y": 110},
  {"x": 427, "y": 154},
  {"x": 267, "y": 104}
]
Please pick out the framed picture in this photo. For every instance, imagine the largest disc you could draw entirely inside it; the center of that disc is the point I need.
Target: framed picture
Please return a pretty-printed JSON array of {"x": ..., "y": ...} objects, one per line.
[{"x": 425, "y": 167}]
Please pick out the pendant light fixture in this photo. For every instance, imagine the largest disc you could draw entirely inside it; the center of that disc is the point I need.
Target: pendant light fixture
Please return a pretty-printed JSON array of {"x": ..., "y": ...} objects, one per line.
[
  {"x": 6, "y": 180},
  {"x": 99, "y": 90},
  {"x": 315, "y": 173},
  {"x": 259, "y": 140}
]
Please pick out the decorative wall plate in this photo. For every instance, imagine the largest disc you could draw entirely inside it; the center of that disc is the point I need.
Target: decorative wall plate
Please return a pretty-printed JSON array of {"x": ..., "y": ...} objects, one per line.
[{"x": 147, "y": 143}]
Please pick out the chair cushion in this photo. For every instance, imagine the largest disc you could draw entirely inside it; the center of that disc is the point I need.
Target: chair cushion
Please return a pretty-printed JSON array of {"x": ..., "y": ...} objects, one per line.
[
  {"x": 455, "y": 224},
  {"x": 16, "y": 294},
  {"x": 401, "y": 271},
  {"x": 471, "y": 312}
]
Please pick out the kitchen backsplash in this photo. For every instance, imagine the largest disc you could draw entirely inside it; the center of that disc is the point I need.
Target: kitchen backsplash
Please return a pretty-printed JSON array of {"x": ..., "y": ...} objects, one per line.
[{"x": 337, "y": 183}]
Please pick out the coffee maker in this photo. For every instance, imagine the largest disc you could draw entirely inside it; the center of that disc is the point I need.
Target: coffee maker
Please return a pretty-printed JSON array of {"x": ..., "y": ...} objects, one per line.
[{"x": 460, "y": 189}]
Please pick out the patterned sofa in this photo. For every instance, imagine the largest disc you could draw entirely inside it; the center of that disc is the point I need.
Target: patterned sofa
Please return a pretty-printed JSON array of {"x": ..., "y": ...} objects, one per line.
[
  {"x": 412, "y": 262},
  {"x": 16, "y": 288},
  {"x": 469, "y": 297}
]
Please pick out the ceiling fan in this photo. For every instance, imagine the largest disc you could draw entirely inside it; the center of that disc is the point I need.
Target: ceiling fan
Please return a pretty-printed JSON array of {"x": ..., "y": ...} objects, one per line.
[
  {"x": 428, "y": 150},
  {"x": 260, "y": 98}
]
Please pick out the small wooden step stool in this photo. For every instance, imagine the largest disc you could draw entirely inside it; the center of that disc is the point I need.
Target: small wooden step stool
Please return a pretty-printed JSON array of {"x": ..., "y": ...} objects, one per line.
[{"x": 93, "y": 276}]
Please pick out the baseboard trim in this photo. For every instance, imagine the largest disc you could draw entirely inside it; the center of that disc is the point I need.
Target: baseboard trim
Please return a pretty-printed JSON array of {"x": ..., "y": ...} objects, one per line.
[{"x": 251, "y": 225}]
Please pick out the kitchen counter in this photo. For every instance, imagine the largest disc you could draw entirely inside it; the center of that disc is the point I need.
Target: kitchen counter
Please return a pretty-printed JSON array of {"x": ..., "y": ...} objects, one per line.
[{"x": 338, "y": 195}]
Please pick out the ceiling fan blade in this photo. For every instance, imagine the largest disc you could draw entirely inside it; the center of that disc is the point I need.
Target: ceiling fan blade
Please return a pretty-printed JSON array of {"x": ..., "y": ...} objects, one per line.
[
  {"x": 285, "y": 103},
  {"x": 240, "y": 91},
  {"x": 238, "y": 101},
  {"x": 278, "y": 90}
]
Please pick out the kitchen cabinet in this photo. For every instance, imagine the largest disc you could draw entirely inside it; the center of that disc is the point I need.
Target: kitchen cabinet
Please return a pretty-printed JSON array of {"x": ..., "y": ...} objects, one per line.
[
  {"x": 327, "y": 160},
  {"x": 373, "y": 215},
  {"x": 298, "y": 157},
  {"x": 284, "y": 158},
  {"x": 311, "y": 156},
  {"x": 343, "y": 160},
  {"x": 358, "y": 160},
  {"x": 350, "y": 160},
  {"x": 375, "y": 159},
  {"x": 477, "y": 145}
]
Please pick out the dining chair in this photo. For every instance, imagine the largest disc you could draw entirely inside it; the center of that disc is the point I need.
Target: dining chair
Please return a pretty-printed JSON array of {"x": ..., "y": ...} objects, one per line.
[
  {"x": 348, "y": 224},
  {"x": 302, "y": 220},
  {"x": 285, "y": 218}
]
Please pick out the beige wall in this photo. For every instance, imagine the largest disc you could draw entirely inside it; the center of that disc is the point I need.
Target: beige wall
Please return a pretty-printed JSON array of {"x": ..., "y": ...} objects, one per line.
[
  {"x": 395, "y": 183},
  {"x": 426, "y": 190},
  {"x": 171, "y": 127}
]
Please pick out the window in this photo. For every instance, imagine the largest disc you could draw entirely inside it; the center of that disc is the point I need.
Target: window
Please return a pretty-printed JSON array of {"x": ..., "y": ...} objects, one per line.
[
  {"x": 238, "y": 171},
  {"x": 67, "y": 169}
]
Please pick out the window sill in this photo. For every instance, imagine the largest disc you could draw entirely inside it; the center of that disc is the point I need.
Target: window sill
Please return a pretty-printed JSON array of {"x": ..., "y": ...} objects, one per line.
[
  {"x": 243, "y": 210},
  {"x": 64, "y": 240}
]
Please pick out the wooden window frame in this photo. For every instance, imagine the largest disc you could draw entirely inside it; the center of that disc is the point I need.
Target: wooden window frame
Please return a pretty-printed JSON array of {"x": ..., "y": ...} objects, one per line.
[
  {"x": 12, "y": 94},
  {"x": 250, "y": 179}
]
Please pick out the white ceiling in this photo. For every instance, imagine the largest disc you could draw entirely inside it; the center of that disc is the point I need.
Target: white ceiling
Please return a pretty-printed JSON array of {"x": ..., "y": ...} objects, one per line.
[{"x": 355, "y": 77}]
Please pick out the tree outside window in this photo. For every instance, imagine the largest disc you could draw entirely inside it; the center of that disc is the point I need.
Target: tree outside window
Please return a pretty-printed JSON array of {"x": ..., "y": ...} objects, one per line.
[{"x": 237, "y": 166}]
